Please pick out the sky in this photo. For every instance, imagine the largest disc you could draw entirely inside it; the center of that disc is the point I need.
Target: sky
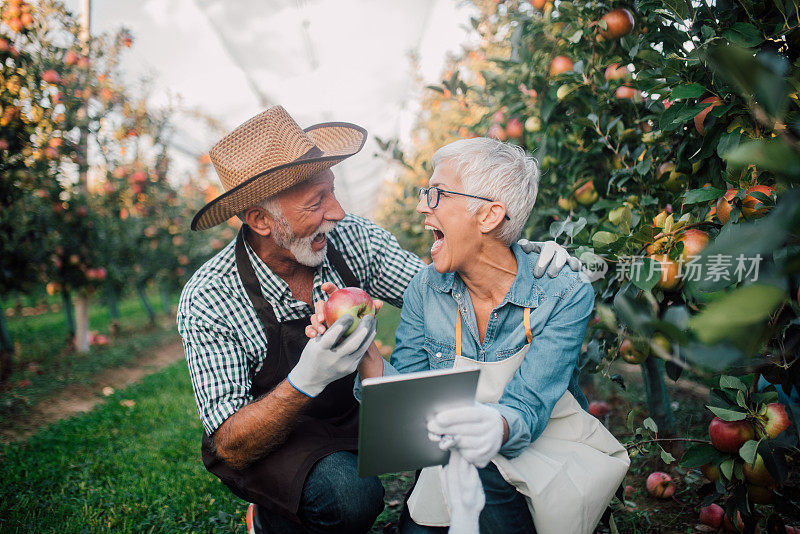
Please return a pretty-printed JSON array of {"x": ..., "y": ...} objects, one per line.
[{"x": 323, "y": 60}]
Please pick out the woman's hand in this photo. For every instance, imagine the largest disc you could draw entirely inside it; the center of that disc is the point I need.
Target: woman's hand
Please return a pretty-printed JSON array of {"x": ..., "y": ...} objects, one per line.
[{"x": 317, "y": 326}]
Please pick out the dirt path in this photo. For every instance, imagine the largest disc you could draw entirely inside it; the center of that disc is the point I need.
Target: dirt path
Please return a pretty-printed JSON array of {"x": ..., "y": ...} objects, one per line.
[{"x": 80, "y": 398}]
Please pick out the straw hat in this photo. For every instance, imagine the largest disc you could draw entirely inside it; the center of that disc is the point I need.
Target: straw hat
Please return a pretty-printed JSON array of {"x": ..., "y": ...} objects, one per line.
[{"x": 269, "y": 154}]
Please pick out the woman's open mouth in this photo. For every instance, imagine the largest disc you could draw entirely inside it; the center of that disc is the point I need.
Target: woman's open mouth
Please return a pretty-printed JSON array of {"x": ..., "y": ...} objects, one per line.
[{"x": 438, "y": 236}]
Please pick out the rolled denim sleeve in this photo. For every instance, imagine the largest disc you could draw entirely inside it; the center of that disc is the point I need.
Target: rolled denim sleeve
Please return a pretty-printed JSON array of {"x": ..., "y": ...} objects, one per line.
[{"x": 545, "y": 372}]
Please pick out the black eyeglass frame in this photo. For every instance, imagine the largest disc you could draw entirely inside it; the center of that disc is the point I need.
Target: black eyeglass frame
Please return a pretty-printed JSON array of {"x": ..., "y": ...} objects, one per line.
[{"x": 426, "y": 191}]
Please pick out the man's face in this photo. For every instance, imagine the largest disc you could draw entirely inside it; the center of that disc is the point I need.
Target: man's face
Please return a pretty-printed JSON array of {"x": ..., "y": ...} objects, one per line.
[{"x": 310, "y": 211}]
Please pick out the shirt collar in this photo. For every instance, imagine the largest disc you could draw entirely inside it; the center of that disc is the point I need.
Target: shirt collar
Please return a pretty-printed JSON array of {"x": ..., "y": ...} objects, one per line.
[
  {"x": 277, "y": 291},
  {"x": 526, "y": 290}
]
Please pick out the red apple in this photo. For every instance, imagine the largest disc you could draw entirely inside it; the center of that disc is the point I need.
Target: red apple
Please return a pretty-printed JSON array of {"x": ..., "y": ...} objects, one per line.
[
  {"x": 514, "y": 128},
  {"x": 51, "y": 76},
  {"x": 749, "y": 202},
  {"x": 626, "y": 92},
  {"x": 619, "y": 21},
  {"x": 71, "y": 58},
  {"x": 660, "y": 485},
  {"x": 776, "y": 420},
  {"x": 615, "y": 71},
  {"x": 599, "y": 408},
  {"x": 724, "y": 205},
  {"x": 629, "y": 353},
  {"x": 694, "y": 241},
  {"x": 712, "y": 515},
  {"x": 629, "y": 491},
  {"x": 668, "y": 279},
  {"x": 497, "y": 132},
  {"x": 586, "y": 194},
  {"x": 700, "y": 117},
  {"x": 560, "y": 64},
  {"x": 348, "y": 300},
  {"x": 739, "y": 523},
  {"x": 729, "y": 436}
]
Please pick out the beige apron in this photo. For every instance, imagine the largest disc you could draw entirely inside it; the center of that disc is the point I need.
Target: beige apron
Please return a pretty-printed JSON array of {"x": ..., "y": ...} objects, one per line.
[{"x": 568, "y": 475}]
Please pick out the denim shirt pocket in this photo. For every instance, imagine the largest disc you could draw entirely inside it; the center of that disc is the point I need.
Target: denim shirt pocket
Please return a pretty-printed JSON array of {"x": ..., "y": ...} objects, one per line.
[
  {"x": 507, "y": 353},
  {"x": 440, "y": 355}
]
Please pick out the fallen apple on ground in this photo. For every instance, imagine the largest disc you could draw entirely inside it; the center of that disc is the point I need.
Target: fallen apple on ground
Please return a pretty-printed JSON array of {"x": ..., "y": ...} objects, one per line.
[
  {"x": 659, "y": 484},
  {"x": 712, "y": 515},
  {"x": 348, "y": 300}
]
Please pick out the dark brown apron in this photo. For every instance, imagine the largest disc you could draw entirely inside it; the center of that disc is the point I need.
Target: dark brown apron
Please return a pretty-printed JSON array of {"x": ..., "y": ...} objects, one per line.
[{"x": 329, "y": 423}]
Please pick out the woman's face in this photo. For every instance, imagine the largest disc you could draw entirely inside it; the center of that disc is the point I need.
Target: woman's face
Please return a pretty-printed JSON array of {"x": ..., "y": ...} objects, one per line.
[{"x": 456, "y": 233}]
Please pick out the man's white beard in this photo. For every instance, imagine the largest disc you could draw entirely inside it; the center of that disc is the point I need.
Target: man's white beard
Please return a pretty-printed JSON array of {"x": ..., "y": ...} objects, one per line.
[{"x": 300, "y": 247}]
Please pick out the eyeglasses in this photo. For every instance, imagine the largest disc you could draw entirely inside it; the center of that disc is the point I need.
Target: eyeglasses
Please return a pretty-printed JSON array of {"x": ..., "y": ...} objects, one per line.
[{"x": 432, "y": 194}]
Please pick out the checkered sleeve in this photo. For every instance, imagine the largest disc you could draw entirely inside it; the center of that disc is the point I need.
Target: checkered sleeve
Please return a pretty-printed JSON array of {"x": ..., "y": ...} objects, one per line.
[{"x": 218, "y": 366}]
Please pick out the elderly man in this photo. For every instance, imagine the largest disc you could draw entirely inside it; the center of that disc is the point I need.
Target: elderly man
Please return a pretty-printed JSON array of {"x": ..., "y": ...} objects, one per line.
[{"x": 279, "y": 416}]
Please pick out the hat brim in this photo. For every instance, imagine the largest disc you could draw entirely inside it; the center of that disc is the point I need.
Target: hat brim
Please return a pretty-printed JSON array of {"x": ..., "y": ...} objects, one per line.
[{"x": 336, "y": 141}]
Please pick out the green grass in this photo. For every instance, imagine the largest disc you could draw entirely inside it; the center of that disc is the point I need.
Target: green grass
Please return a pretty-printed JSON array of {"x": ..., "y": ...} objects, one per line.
[{"x": 120, "y": 469}]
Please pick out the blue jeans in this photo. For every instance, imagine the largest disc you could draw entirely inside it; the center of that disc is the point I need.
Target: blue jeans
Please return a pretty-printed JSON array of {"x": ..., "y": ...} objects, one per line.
[
  {"x": 506, "y": 510},
  {"x": 335, "y": 499}
]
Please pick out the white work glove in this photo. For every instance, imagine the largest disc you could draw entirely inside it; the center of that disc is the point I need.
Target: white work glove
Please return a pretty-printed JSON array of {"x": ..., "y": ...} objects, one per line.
[
  {"x": 550, "y": 253},
  {"x": 476, "y": 431},
  {"x": 464, "y": 492},
  {"x": 321, "y": 362}
]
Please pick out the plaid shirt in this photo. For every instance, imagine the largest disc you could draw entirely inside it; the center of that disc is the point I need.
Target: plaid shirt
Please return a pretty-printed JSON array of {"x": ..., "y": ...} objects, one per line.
[{"x": 224, "y": 341}]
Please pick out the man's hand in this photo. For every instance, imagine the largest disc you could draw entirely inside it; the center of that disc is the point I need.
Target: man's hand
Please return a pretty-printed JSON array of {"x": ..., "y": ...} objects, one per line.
[
  {"x": 323, "y": 361},
  {"x": 476, "y": 431},
  {"x": 464, "y": 492},
  {"x": 550, "y": 253}
]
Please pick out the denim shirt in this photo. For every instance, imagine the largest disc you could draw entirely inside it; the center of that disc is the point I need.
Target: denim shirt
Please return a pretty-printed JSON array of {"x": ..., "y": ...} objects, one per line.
[{"x": 560, "y": 311}]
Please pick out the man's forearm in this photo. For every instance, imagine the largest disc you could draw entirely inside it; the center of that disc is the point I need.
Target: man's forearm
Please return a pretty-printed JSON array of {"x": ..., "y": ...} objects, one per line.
[{"x": 260, "y": 426}]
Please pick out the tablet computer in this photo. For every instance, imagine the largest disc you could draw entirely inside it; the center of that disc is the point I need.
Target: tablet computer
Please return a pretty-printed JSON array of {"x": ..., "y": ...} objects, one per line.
[{"x": 395, "y": 410}]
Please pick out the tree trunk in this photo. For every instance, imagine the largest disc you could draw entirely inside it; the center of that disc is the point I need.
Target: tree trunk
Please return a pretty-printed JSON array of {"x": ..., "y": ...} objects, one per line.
[
  {"x": 68, "y": 316},
  {"x": 164, "y": 293},
  {"x": 148, "y": 308},
  {"x": 657, "y": 396},
  {"x": 6, "y": 349},
  {"x": 82, "y": 323},
  {"x": 112, "y": 297}
]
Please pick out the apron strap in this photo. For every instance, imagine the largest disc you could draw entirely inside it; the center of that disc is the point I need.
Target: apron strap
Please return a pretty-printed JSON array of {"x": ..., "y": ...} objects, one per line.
[{"x": 526, "y": 319}]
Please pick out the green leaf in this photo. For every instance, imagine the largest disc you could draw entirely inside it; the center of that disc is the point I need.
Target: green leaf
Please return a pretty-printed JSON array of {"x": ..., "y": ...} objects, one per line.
[
  {"x": 666, "y": 457},
  {"x": 575, "y": 37},
  {"x": 602, "y": 238},
  {"x": 740, "y": 399},
  {"x": 699, "y": 196},
  {"x": 731, "y": 382},
  {"x": 629, "y": 422},
  {"x": 743, "y": 34},
  {"x": 647, "y": 276},
  {"x": 700, "y": 454},
  {"x": 692, "y": 90},
  {"x": 748, "y": 451},
  {"x": 726, "y": 467},
  {"x": 772, "y": 154},
  {"x": 650, "y": 425},
  {"x": 727, "y": 415},
  {"x": 742, "y": 308}
]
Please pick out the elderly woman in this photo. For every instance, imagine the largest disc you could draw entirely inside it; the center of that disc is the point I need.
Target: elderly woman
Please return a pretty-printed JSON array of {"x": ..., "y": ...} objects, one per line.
[{"x": 480, "y": 303}]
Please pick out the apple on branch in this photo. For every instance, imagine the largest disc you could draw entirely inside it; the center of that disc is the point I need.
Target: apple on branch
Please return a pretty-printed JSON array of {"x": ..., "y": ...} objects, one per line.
[{"x": 348, "y": 300}]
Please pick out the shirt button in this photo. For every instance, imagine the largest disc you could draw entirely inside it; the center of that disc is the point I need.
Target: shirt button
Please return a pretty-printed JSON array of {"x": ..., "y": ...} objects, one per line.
[
  {"x": 458, "y": 295},
  {"x": 495, "y": 314},
  {"x": 438, "y": 355}
]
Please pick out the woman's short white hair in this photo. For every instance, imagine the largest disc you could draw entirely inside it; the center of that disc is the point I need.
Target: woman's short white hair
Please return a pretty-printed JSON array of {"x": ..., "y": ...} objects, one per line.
[{"x": 500, "y": 171}]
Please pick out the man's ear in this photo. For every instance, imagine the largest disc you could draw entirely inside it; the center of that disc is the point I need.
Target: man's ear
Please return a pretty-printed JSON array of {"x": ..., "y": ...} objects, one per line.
[
  {"x": 259, "y": 220},
  {"x": 490, "y": 216}
]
